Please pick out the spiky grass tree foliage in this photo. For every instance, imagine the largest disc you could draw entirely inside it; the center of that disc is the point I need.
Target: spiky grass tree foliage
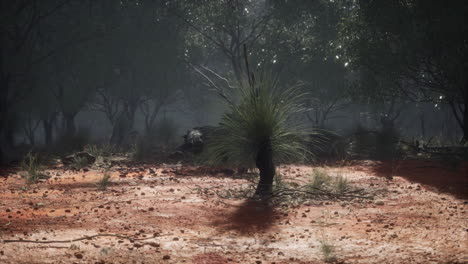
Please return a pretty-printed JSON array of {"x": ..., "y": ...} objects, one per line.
[{"x": 258, "y": 130}]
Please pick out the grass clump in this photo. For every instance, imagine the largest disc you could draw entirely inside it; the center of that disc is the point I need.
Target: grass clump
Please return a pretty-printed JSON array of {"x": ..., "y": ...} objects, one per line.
[
  {"x": 93, "y": 150},
  {"x": 79, "y": 163},
  {"x": 328, "y": 251},
  {"x": 32, "y": 169},
  {"x": 341, "y": 184},
  {"x": 104, "y": 182},
  {"x": 100, "y": 150},
  {"x": 319, "y": 180}
]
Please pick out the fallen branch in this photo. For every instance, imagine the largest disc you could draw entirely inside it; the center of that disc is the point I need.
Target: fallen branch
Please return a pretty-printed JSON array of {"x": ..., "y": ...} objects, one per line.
[{"x": 131, "y": 239}]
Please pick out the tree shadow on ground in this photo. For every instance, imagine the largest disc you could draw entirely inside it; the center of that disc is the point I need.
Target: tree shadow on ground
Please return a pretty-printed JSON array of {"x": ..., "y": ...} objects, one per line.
[
  {"x": 213, "y": 172},
  {"x": 250, "y": 217},
  {"x": 434, "y": 174}
]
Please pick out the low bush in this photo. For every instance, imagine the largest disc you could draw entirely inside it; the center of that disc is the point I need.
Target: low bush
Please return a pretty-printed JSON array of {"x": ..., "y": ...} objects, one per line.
[
  {"x": 104, "y": 182},
  {"x": 328, "y": 251},
  {"x": 101, "y": 150},
  {"x": 32, "y": 169},
  {"x": 319, "y": 180},
  {"x": 79, "y": 163}
]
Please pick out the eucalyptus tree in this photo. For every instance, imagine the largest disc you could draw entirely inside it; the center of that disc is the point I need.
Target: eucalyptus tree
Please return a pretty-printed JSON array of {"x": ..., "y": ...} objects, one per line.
[
  {"x": 21, "y": 29},
  {"x": 218, "y": 30},
  {"x": 304, "y": 45},
  {"x": 417, "y": 47},
  {"x": 147, "y": 70}
]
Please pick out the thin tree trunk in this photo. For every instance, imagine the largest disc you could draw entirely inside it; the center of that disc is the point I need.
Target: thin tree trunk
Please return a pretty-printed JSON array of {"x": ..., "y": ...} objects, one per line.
[
  {"x": 70, "y": 128},
  {"x": 465, "y": 122},
  {"x": 265, "y": 165},
  {"x": 423, "y": 124},
  {"x": 47, "y": 126}
]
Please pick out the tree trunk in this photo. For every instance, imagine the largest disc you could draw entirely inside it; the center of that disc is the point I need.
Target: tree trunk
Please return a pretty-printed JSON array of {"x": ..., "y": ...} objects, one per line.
[
  {"x": 1, "y": 155},
  {"x": 10, "y": 136},
  {"x": 422, "y": 124},
  {"x": 70, "y": 128},
  {"x": 47, "y": 132},
  {"x": 465, "y": 122},
  {"x": 31, "y": 138},
  {"x": 265, "y": 165}
]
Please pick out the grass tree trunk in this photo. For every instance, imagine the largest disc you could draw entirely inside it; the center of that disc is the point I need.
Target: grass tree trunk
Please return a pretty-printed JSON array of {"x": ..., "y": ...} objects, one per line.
[{"x": 266, "y": 166}]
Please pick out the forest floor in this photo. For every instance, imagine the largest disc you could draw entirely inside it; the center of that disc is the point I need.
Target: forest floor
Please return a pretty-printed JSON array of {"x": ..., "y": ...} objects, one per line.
[{"x": 173, "y": 214}]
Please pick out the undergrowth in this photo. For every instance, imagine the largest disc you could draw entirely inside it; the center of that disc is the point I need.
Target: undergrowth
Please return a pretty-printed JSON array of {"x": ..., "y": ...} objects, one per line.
[
  {"x": 33, "y": 171},
  {"x": 104, "y": 182},
  {"x": 328, "y": 251},
  {"x": 79, "y": 163},
  {"x": 100, "y": 150},
  {"x": 321, "y": 186}
]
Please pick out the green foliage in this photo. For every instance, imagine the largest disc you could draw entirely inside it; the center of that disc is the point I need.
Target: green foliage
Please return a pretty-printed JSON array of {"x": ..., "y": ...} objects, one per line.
[
  {"x": 257, "y": 113},
  {"x": 32, "y": 168},
  {"x": 104, "y": 182}
]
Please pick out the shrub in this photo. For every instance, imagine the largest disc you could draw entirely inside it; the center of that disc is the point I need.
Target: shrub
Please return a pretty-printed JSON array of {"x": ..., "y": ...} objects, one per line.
[
  {"x": 258, "y": 131},
  {"x": 328, "y": 251},
  {"x": 32, "y": 169},
  {"x": 102, "y": 150},
  {"x": 319, "y": 179},
  {"x": 79, "y": 163},
  {"x": 341, "y": 184},
  {"x": 104, "y": 182}
]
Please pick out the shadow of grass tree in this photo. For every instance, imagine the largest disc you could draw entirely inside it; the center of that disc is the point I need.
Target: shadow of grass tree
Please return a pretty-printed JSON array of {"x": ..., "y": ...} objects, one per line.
[{"x": 251, "y": 217}]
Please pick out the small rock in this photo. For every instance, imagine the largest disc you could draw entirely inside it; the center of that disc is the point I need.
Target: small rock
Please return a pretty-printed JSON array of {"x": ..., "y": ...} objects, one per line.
[
  {"x": 379, "y": 203},
  {"x": 78, "y": 255},
  {"x": 166, "y": 257}
]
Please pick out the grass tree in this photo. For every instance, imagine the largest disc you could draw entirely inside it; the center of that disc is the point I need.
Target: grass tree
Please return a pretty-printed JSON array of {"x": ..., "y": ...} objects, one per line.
[{"x": 258, "y": 129}]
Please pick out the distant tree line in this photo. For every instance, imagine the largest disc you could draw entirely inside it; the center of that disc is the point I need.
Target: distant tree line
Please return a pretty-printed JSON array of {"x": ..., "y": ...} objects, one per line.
[{"x": 135, "y": 57}]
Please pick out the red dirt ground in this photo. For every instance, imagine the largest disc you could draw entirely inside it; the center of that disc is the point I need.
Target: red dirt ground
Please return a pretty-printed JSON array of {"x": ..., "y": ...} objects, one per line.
[{"x": 171, "y": 214}]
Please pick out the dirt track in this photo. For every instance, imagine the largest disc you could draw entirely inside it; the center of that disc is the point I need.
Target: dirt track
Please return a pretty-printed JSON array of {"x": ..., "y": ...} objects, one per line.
[{"x": 166, "y": 214}]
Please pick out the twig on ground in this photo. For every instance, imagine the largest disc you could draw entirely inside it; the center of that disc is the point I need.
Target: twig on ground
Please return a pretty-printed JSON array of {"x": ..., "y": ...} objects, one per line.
[{"x": 131, "y": 239}]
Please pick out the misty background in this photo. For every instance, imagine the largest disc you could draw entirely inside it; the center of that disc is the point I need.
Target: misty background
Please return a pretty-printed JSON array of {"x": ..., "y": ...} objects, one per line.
[{"x": 86, "y": 72}]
